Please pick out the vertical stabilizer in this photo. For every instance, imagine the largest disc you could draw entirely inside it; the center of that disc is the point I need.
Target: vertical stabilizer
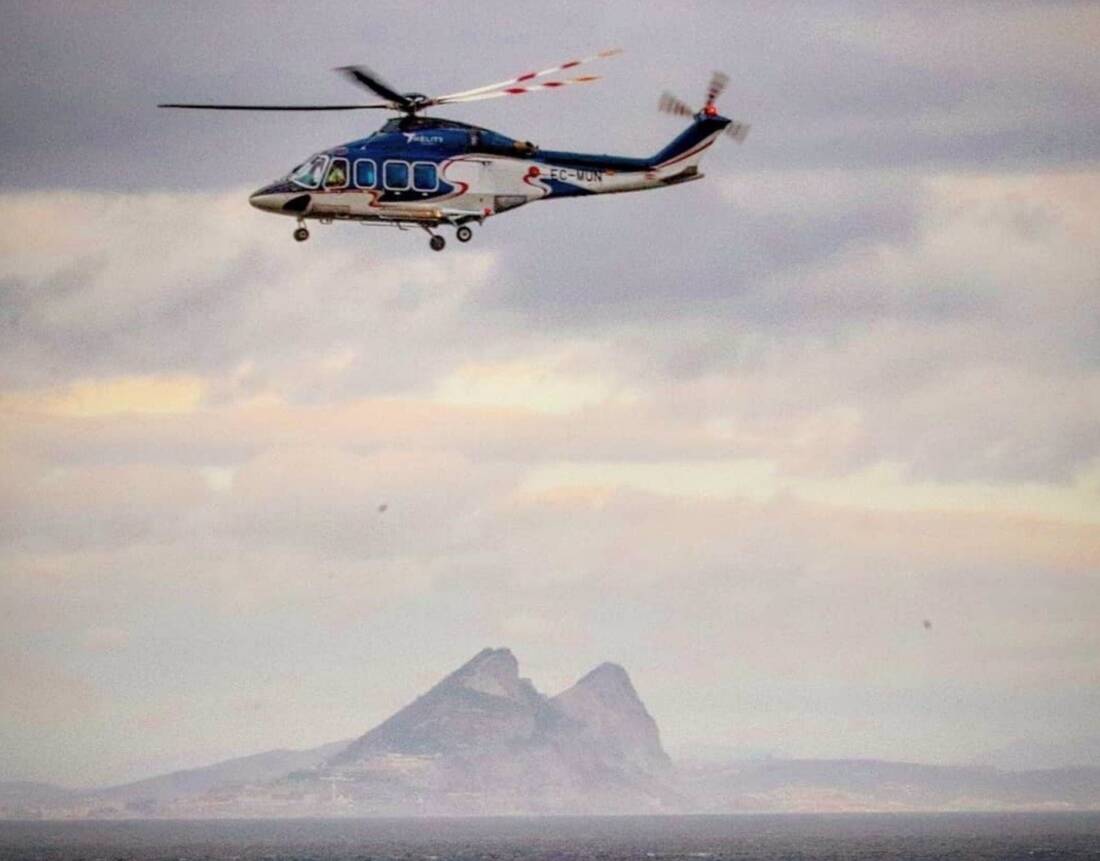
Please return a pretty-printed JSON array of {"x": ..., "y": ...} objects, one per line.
[{"x": 688, "y": 147}]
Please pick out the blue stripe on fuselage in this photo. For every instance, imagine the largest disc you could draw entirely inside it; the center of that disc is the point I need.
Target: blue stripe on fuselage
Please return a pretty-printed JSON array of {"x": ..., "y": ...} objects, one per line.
[{"x": 694, "y": 134}]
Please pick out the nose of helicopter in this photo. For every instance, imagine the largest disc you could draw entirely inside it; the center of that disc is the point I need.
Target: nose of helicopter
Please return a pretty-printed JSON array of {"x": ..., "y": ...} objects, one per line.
[
  {"x": 282, "y": 197},
  {"x": 270, "y": 198}
]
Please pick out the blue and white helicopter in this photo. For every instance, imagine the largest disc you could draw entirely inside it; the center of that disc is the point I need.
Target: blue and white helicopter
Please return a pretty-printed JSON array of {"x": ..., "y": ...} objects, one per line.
[{"x": 419, "y": 171}]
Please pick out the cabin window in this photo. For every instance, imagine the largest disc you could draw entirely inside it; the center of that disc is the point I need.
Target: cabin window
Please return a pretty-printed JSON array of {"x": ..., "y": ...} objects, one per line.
[
  {"x": 337, "y": 176},
  {"x": 425, "y": 177},
  {"x": 396, "y": 174},
  {"x": 366, "y": 173},
  {"x": 308, "y": 175}
]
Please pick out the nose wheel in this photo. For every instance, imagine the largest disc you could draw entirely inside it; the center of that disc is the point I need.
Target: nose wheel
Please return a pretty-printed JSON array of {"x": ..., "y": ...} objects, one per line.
[
  {"x": 437, "y": 243},
  {"x": 301, "y": 234}
]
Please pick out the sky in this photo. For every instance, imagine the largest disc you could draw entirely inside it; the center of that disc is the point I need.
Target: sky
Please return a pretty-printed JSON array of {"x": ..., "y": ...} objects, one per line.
[{"x": 744, "y": 436}]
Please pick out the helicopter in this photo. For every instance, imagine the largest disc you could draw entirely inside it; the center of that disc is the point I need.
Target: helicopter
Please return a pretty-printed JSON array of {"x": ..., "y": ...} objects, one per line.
[{"x": 425, "y": 172}]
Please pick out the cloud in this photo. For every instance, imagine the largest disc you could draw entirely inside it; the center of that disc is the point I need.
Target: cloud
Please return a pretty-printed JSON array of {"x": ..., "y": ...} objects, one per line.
[
  {"x": 107, "y": 638},
  {"x": 542, "y": 384},
  {"x": 883, "y": 487},
  {"x": 104, "y": 293},
  {"x": 119, "y": 395}
]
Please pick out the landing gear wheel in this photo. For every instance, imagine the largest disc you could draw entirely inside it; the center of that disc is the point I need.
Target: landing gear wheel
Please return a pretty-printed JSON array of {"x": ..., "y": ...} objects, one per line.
[
  {"x": 437, "y": 243},
  {"x": 464, "y": 234},
  {"x": 301, "y": 234}
]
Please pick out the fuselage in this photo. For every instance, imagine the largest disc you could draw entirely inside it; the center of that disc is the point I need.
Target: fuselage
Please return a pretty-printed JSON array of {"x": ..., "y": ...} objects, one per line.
[{"x": 433, "y": 171}]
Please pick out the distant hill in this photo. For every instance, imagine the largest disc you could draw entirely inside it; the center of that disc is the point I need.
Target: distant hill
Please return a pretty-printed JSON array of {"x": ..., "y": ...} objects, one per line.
[
  {"x": 1029, "y": 755},
  {"x": 245, "y": 770},
  {"x": 22, "y": 799},
  {"x": 484, "y": 740},
  {"x": 875, "y": 785}
]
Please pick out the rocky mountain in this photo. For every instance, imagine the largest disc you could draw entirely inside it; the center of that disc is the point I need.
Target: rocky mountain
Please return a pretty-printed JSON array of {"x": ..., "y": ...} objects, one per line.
[
  {"x": 481, "y": 707},
  {"x": 485, "y": 740},
  {"x": 611, "y": 723}
]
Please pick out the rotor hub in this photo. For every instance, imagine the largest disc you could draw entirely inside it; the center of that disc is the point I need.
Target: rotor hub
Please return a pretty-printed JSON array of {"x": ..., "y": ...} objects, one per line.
[{"x": 416, "y": 102}]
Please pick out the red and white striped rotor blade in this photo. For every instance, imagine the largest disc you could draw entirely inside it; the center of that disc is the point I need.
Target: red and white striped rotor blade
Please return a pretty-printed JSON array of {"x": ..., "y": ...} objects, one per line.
[
  {"x": 669, "y": 104},
  {"x": 513, "y": 83},
  {"x": 516, "y": 91}
]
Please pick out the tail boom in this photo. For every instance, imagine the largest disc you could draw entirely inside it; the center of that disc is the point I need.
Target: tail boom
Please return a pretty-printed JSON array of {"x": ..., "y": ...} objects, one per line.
[{"x": 565, "y": 174}]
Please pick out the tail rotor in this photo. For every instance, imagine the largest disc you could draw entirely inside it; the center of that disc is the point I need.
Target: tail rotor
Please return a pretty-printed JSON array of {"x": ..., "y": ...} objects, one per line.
[{"x": 670, "y": 104}]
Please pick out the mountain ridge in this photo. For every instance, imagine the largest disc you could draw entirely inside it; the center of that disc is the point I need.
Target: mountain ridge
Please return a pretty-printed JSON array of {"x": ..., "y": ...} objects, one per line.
[
  {"x": 482, "y": 702},
  {"x": 483, "y": 740}
]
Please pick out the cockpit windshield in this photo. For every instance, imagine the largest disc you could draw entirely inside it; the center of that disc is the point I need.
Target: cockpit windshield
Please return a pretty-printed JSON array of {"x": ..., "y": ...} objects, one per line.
[{"x": 308, "y": 174}]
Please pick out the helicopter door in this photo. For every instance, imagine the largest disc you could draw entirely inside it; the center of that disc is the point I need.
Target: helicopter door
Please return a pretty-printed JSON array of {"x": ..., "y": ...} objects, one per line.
[
  {"x": 336, "y": 179},
  {"x": 337, "y": 176}
]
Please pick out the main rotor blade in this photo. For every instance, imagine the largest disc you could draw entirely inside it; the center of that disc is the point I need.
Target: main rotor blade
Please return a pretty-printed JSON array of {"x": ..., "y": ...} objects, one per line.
[
  {"x": 527, "y": 76},
  {"x": 669, "y": 104},
  {"x": 377, "y": 106},
  {"x": 514, "y": 91},
  {"x": 365, "y": 77}
]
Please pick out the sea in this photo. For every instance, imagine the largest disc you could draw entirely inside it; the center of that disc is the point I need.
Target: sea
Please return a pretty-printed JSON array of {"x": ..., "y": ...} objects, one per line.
[{"x": 997, "y": 836}]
